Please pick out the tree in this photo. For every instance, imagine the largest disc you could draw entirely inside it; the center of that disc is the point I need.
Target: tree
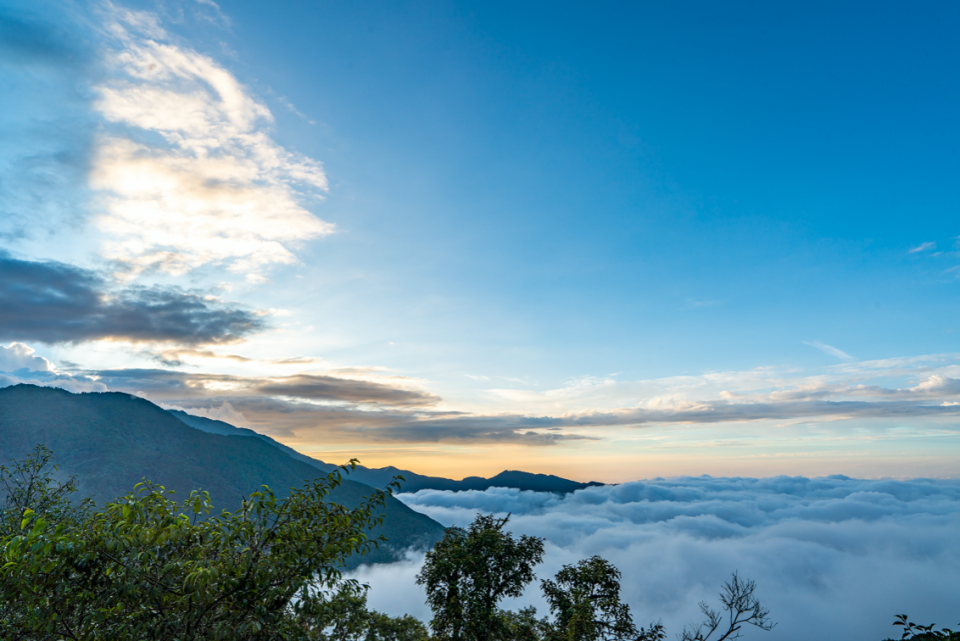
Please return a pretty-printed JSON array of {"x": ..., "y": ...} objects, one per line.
[
  {"x": 585, "y": 600},
  {"x": 29, "y": 485},
  {"x": 344, "y": 617},
  {"x": 524, "y": 626},
  {"x": 742, "y": 608},
  {"x": 381, "y": 627},
  {"x": 147, "y": 567},
  {"x": 470, "y": 571}
]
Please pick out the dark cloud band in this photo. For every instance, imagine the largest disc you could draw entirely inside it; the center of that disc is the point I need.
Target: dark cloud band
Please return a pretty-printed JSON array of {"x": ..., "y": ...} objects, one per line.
[{"x": 58, "y": 303}]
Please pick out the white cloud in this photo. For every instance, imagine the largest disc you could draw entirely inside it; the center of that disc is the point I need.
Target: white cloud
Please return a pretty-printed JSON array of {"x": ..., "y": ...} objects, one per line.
[
  {"x": 225, "y": 412},
  {"x": 922, "y": 247},
  {"x": 218, "y": 189},
  {"x": 834, "y": 558},
  {"x": 829, "y": 349},
  {"x": 19, "y": 356}
]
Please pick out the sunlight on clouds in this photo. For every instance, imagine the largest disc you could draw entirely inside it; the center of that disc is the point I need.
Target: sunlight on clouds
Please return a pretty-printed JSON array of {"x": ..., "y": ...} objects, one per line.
[
  {"x": 17, "y": 356},
  {"x": 220, "y": 190}
]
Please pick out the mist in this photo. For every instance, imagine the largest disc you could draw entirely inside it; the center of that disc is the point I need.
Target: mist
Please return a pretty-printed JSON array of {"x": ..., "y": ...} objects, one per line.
[{"x": 833, "y": 557}]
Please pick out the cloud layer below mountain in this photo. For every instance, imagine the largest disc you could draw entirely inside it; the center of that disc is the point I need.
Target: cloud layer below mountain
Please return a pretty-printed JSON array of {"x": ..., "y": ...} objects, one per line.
[{"x": 834, "y": 557}]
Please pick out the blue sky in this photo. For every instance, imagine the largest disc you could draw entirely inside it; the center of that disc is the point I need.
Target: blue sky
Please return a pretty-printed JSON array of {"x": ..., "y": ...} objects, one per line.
[{"x": 621, "y": 240}]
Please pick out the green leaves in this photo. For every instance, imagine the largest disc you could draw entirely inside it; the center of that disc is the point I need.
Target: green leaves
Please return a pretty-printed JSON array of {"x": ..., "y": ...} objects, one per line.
[
  {"x": 145, "y": 566},
  {"x": 916, "y": 632},
  {"x": 585, "y": 599},
  {"x": 470, "y": 571}
]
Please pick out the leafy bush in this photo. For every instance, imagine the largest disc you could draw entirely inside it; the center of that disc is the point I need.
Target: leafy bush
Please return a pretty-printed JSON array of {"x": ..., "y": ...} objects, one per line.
[{"x": 147, "y": 567}]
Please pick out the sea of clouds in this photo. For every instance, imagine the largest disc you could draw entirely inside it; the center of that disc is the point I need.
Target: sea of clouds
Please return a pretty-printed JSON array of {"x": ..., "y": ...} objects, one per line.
[{"x": 833, "y": 557}]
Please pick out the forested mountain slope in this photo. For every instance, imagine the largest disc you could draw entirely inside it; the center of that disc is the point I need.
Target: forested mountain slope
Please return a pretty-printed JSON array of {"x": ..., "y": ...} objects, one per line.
[{"x": 111, "y": 441}]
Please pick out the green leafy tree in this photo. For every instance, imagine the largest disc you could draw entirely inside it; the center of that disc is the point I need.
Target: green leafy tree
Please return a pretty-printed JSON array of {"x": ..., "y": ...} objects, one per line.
[
  {"x": 585, "y": 600},
  {"x": 345, "y": 617},
  {"x": 147, "y": 567},
  {"x": 30, "y": 485},
  {"x": 524, "y": 626},
  {"x": 381, "y": 627},
  {"x": 470, "y": 571}
]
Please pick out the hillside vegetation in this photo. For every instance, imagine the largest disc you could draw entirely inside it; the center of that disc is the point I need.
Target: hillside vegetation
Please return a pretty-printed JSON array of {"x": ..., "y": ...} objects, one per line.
[{"x": 111, "y": 441}]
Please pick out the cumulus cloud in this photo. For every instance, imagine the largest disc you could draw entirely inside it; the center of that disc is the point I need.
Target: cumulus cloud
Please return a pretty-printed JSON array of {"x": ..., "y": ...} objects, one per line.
[
  {"x": 53, "y": 302},
  {"x": 218, "y": 189},
  {"x": 834, "y": 558},
  {"x": 17, "y": 356}
]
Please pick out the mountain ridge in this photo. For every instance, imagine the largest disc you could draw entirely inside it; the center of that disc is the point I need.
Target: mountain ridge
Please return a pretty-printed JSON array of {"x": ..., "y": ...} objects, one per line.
[
  {"x": 110, "y": 441},
  {"x": 413, "y": 482}
]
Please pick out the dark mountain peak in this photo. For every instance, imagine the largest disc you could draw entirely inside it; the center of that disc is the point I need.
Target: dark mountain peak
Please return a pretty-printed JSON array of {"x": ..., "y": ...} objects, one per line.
[{"x": 537, "y": 482}]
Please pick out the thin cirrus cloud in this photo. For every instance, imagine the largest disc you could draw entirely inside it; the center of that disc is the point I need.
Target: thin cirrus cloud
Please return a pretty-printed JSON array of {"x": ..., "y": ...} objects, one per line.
[
  {"x": 218, "y": 190},
  {"x": 50, "y": 302},
  {"x": 853, "y": 551},
  {"x": 829, "y": 350},
  {"x": 922, "y": 247}
]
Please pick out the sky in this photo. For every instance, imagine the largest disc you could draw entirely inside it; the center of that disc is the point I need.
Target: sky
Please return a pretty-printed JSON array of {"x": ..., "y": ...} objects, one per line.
[{"x": 611, "y": 241}]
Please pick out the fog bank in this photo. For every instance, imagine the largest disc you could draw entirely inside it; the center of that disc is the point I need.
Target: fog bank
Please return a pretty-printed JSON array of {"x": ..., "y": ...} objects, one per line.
[{"x": 833, "y": 557}]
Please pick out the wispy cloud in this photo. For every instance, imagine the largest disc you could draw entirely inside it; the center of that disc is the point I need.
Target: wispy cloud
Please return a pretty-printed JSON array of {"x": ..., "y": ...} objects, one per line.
[
  {"x": 218, "y": 190},
  {"x": 829, "y": 349},
  {"x": 922, "y": 247},
  {"x": 699, "y": 304}
]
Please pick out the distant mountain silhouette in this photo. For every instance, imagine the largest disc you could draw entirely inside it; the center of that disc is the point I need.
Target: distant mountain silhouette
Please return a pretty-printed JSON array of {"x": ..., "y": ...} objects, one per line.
[
  {"x": 111, "y": 441},
  {"x": 379, "y": 477}
]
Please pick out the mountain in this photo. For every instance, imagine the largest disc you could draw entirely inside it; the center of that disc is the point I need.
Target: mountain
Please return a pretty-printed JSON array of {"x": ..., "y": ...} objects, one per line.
[
  {"x": 379, "y": 477},
  {"x": 111, "y": 441}
]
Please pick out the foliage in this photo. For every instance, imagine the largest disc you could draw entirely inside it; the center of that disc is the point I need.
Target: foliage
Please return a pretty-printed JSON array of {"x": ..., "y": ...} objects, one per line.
[
  {"x": 916, "y": 632},
  {"x": 344, "y": 617},
  {"x": 524, "y": 626},
  {"x": 110, "y": 441},
  {"x": 29, "y": 485},
  {"x": 470, "y": 571},
  {"x": 585, "y": 599},
  {"x": 146, "y": 567},
  {"x": 742, "y": 608}
]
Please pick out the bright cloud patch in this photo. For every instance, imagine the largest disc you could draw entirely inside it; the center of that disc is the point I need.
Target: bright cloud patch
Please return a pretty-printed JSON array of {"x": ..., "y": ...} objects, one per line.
[
  {"x": 17, "y": 356},
  {"x": 834, "y": 558},
  {"x": 217, "y": 189}
]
